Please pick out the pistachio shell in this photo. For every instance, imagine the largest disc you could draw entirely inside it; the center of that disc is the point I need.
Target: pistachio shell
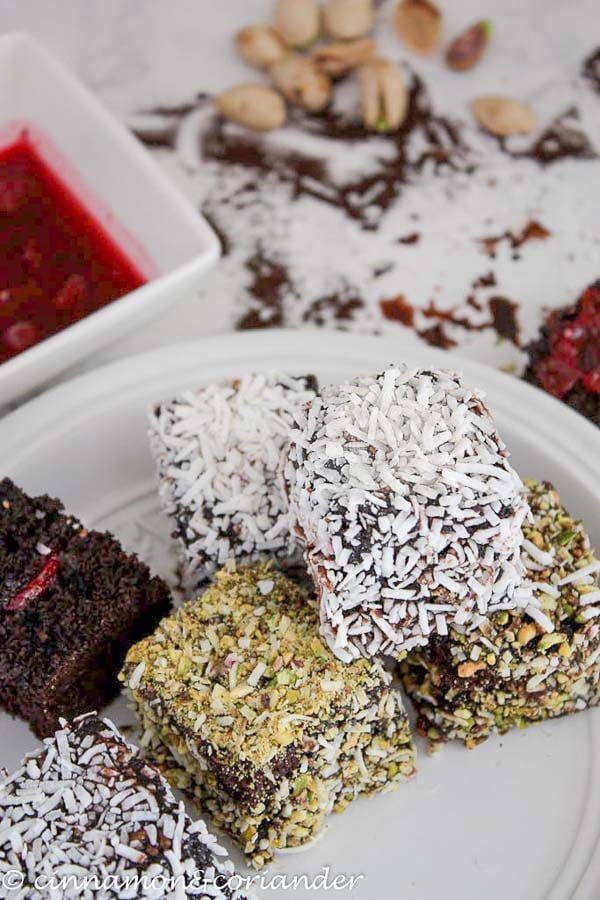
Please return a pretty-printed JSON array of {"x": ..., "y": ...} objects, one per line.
[
  {"x": 255, "y": 106},
  {"x": 384, "y": 97},
  {"x": 419, "y": 24},
  {"x": 502, "y": 116},
  {"x": 259, "y": 45},
  {"x": 302, "y": 82},
  {"x": 466, "y": 50},
  {"x": 298, "y": 22},
  {"x": 339, "y": 58},
  {"x": 346, "y": 20}
]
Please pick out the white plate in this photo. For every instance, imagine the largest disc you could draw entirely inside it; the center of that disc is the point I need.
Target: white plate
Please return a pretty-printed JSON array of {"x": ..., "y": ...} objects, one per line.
[{"x": 516, "y": 819}]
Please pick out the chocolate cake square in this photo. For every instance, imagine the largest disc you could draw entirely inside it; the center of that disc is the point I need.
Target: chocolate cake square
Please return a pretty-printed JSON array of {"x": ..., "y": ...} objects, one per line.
[
  {"x": 515, "y": 667},
  {"x": 71, "y": 603},
  {"x": 88, "y": 809},
  {"x": 245, "y": 707}
]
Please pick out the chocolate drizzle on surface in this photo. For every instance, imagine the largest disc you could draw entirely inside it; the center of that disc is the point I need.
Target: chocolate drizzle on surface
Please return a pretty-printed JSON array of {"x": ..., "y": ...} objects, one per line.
[
  {"x": 562, "y": 139},
  {"x": 160, "y": 129},
  {"x": 590, "y": 69},
  {"x": 366, "y": 198}
]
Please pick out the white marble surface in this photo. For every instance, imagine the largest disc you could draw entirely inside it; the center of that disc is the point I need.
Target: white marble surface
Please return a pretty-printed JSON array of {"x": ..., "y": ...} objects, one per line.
[{"x": 138, "y": 54}]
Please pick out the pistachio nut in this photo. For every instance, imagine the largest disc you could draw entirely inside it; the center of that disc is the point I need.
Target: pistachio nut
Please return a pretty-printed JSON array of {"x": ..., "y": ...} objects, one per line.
[
  {"x": 384, "y": 97},
  {"x": 502, "y": 116},
  {"x": 298, "y": 22},
  {"x": 346, "y": 20},
  {"x": 339, "y": 58},
  {"x": 419, "y": 25},
  {"x": 254, "y": 106},
  {"x": 260, "y": 45},
  {"x": 302, "y": 82}
]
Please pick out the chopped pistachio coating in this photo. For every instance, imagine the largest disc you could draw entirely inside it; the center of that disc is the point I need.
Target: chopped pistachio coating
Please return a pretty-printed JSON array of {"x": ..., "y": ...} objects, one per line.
[
  {"x": 251, "y": 713},
  {"x": 508, "y": 670}
]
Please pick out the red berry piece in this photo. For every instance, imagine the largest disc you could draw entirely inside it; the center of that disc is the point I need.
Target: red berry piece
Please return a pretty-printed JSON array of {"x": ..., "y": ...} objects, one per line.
[
  {"x": 15, "y": 189},
  {"x": 556, "y": 377},
  {"x": 591, "y": 381},
  {"x": 73, "y": 296},
  {"x": 37, "y": 586},
  {"x": 20, "y": 336}
]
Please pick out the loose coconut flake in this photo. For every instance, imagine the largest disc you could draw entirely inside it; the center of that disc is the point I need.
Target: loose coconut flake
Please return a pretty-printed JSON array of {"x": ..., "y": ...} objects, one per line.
[{"x": 409, "y": 511}]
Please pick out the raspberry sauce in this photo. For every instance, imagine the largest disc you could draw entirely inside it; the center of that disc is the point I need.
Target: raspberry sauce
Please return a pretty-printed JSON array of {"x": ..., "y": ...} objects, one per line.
[{"x": 57, "y": 264}]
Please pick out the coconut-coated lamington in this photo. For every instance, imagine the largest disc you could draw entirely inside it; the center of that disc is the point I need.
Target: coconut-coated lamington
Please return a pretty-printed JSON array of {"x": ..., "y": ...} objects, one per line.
[
  {"x": 89, "y": 814},
  {"x": 409, "y": 511},
  {"x": 219, "y": 452}
]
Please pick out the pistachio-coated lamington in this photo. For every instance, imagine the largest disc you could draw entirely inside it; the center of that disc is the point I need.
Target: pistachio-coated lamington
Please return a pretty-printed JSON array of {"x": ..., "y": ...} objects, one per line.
[
  {"x": 508, "y": 670},
  {"x": 248, "y": 710}
]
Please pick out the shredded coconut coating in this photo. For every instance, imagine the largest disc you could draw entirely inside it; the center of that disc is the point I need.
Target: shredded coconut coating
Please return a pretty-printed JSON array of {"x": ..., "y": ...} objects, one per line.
[
  {"x": 513, "y": 668},
  {"x": 248, "y": 710},
  {"x": 89, "y": 806},
  {"x": 219, "y": 452},
  {"x": 410, "y": 514}
]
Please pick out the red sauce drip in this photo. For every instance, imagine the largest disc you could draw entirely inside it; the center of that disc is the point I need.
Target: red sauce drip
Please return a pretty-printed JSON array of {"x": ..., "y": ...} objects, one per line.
[{"x": 57, "y": 264}]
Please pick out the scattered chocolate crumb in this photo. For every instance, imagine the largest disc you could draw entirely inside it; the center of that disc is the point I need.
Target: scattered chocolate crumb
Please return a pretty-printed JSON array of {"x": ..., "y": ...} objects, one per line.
[
  {"x": 533, "y": 231},
  {"x": 590, "y": 69},
  {"x": 504, "y": 316},
  {"x": 378, "y": 271},
  {"x": 177, "y": 110},
  {"x": 398, "y": 309},
  {"x": 340, "y": 307},
  {"x": 413, "y": 238},
  {"x": 487, "y": 280},
  {"x": 270, "y": 282},
  {"x": 161, "y": 135},
  {"x": 473, "y": 303},
  {"x": 431, "y": 311},
  {"x": 560, "y": 140},
  {"x": 437, "y": 337}
]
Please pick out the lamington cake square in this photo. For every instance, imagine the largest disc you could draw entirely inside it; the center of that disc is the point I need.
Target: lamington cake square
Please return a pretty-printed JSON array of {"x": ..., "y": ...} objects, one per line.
[
  {"x": 513, "y": 668},
  {"x": 410, "y": 514},
  {"x": 246, "y": 708},
  {"x": 71, "y": 604},
  {"x": 219, "y": 452},
  {"x": 88, "y": 814}
]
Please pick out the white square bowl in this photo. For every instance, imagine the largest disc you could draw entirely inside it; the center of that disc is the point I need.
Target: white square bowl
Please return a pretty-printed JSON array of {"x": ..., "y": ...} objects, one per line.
[{"x": 119, "y": 183}]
